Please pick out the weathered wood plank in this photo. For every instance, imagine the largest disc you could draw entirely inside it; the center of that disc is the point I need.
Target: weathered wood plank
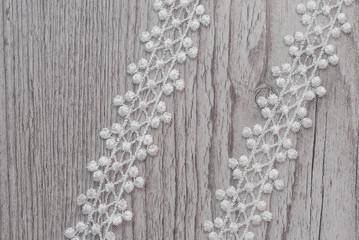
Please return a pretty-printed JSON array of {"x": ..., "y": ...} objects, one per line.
[{"x": 63, "y": 61}]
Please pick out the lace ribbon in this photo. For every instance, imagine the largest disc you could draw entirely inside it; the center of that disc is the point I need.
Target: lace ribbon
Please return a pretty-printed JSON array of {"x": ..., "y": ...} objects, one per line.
[
  {"x": 245, "y": 203},
  {"x": 128, "y": 139}
]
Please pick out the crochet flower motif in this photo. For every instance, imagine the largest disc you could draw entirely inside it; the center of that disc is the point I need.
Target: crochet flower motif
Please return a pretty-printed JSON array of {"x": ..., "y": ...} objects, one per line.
[
  {"x": 255, "y": 174},
  {"x": 140, "y": 110}
]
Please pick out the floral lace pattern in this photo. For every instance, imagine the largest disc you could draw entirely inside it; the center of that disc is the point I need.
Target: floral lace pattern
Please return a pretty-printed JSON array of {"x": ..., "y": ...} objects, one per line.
[
  {"x": 128, "y": 139},
  {"x": 245, "y": 203}
]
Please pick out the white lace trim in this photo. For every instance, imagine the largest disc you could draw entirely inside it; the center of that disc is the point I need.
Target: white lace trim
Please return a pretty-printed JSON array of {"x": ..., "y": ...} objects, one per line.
[
  {"x": 128, "y": 139},
  {"x": 246, "y": 202}
]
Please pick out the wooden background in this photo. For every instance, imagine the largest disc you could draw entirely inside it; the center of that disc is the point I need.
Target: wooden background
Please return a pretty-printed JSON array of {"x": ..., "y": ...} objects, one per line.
[{"x": 63, "y": 61}]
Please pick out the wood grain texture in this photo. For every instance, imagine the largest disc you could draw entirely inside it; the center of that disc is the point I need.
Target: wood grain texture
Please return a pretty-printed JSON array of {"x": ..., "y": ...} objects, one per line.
[{"x": 63, "y": 61}]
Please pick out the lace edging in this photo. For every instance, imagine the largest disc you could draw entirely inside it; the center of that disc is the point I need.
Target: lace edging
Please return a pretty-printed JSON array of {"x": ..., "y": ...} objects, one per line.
[
  {"x": 129, "y": 140},
  {"x": 255, "y": 174}
]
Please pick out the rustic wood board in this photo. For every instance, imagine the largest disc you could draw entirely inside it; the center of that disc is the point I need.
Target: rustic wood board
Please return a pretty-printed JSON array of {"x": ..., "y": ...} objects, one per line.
[{"x": 63, "y": 61}]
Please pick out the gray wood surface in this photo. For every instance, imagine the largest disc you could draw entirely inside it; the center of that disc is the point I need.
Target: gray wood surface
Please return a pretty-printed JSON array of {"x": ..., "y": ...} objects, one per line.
[{"x": 63, "y": 61}]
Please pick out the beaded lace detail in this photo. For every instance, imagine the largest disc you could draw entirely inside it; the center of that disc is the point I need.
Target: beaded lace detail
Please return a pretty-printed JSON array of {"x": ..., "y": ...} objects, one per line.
[
  {"x": 245, "y": 203},
  {"x": 128, "y": 139}
]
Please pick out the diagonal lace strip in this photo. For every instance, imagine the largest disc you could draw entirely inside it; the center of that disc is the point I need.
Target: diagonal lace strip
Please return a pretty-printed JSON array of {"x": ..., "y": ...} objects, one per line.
[
  {"x": 139, "y": 111},
  {"x": 245, "y": 204}
]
